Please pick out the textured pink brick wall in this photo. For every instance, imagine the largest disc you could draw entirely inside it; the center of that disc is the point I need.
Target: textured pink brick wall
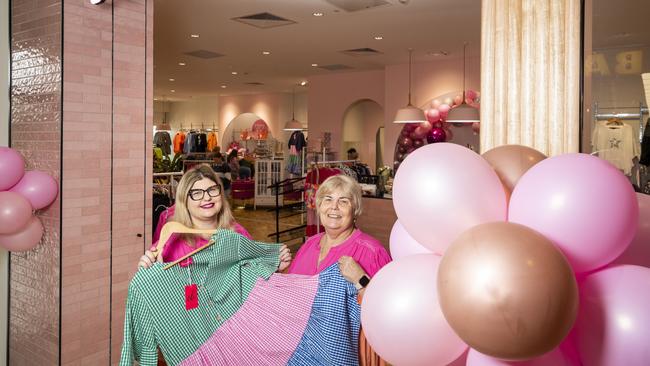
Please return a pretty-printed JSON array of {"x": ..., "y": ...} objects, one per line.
[
  {"x": 99, "y": 145},
  {"x": 36, "y": 132}
]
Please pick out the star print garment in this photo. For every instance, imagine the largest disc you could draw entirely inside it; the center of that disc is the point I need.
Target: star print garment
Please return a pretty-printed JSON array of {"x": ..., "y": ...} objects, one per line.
[{"x": 616, "y": 144}]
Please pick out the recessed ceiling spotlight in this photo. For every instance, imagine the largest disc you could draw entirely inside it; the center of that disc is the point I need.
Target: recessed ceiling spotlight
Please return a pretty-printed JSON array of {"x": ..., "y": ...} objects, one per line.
[
  {"x": 318, "y": 14},
  {"x": 266, "y": 52},
  {"x": 234, "y": 72},
  {"x": 155, "y": 98},
  {"x": 181, "y": 64},
  {"x": 194, "y": 35},
  {"x": 379, "y": 38},
  {"x": 96, "y": 2},
  {"x": 223, "y": 87},
  {"x": 173, "y": 91},
  {"x": 438, "y": 53},
  {"x": 314, "y": 65},
  {"x": 303, "y": 83},
  {"x": 172, "y": 79}
]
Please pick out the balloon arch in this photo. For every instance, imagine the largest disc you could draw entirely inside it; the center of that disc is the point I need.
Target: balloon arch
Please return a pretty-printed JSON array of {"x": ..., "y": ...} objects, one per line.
[{"x": 435, "y": 129}]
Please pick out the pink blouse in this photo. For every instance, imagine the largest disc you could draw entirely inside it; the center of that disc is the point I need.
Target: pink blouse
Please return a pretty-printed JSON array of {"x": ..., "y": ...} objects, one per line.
[
  {"x": 177, "y": 247},
  {"x": 365, "y": 249}
]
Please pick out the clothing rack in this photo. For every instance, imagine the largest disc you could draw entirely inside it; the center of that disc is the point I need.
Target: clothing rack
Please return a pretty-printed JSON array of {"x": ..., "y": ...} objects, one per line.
[{"x": 623, "y": 116}]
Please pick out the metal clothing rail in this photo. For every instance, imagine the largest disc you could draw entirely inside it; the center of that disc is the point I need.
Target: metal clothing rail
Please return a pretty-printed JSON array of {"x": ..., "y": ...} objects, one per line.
[{"x": 625, "y": 116}]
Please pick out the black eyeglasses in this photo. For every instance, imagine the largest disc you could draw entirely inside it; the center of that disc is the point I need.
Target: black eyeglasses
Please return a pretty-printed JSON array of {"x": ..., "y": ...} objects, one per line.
[{"x": 198, "y": 194}]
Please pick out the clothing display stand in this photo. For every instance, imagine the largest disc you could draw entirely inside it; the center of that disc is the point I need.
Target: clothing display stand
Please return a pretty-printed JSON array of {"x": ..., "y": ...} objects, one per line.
[
  {"x": 639, "y": 175},
  {"x": 296, "y": 208}
]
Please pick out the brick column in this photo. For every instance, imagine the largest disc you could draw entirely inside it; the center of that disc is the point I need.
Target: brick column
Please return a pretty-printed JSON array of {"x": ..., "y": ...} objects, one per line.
[{"x": 83, "y": 112}]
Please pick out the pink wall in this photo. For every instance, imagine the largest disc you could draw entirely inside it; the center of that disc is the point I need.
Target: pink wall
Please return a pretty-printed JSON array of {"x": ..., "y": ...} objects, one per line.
[
  {"x": 82, "y": 112},
  {"x": 330, "y": 96},
  {"x": 430, "y": 80},
  {"x": 274, "y": 108}
]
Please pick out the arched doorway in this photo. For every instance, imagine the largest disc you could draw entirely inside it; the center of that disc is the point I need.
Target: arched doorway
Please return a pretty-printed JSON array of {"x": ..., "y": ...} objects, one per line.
[{"x": 362, "y": 121}]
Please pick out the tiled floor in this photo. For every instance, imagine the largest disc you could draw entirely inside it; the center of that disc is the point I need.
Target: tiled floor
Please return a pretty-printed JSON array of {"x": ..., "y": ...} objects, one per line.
[{"x": 261, "y": 222}]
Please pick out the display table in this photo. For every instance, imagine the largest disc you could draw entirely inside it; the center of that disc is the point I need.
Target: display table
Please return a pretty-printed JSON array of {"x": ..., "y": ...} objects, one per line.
[{"x": 377, "y": 218}]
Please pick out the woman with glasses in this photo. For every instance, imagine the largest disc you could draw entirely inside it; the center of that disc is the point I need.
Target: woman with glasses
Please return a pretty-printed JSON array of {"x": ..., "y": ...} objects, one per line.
[{"x": 200, "y": 204}]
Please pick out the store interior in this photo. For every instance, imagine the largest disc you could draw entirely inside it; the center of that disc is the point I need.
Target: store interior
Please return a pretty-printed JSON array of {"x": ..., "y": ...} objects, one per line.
[{"x": 340, "y": 69}]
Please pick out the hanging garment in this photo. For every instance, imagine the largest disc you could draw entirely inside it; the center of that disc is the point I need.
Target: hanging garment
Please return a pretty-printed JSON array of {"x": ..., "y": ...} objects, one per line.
[
  {"x": 162, "y": 140},
  {"x": 297, "y": 139},
  {"x": 645, "y": 145},
  {"x": 212, "y": 141},
  {"x": 616, "y": 144},
  {"x": 199, "y": 143},
  {"x": 179, "y": 141},
  {"x": 188, "y": 145},
  {"x": 244, "y": 315}
]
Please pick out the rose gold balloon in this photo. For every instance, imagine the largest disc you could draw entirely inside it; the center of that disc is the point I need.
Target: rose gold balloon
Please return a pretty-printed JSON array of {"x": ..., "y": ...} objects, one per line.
[
  {"x": 511, "y": 162},
  {"x": 507, "y": 291}
]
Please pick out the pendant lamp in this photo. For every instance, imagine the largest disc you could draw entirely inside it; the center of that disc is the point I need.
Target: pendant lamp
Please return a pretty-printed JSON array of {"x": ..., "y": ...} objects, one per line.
[
  {"x": 293, "y": 125},
  {"x": 464, "y": 113},
  {"x": 410, "y": 113}
]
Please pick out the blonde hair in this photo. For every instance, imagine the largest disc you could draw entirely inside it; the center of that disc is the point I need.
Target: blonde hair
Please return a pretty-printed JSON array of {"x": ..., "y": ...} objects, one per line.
[
  {"x": 225, "y": 218},
  {"x": 350, "y": 188}
]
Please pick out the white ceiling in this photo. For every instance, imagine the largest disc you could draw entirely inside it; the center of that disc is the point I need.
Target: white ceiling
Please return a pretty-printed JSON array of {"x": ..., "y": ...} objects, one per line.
[{"x": 427, "y": 26}]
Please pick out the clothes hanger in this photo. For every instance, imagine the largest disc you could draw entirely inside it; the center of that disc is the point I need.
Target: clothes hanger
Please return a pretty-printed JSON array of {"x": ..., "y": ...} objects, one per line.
[
  {"x": 174, "y": 227},
  {"x": 614, "y": 122}
]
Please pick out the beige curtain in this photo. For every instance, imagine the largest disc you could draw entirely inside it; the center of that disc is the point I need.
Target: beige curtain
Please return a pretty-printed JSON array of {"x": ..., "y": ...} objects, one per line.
[{"x": 530, "y": 74}]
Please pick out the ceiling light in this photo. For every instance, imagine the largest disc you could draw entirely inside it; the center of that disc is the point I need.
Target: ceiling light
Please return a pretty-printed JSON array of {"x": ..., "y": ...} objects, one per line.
[
  {"x": 464, "y": 113},
  {"x": 194, "y": 35},
  {"x": 438, "y": 53},
  {"x": 155, "y": 98},
  {"x": 314, "y": 65},
  {"x": 96, "y": 2},
  {"x": 223, "y": 87},
  {"x": 234, "y": 72},
  {"x": 266, "y": 52},
  {"x": 181, "y": 64},
  {"x": 172, "y": 79},
  {"x": 379, "y": 38},
  {"x": 173, "y": 91},
  {"x": 318, "y": 14},
  {"x": 303, "y": 83},
  {"x": 410, "y": 114},
  {"x": 293, "y": 125}
]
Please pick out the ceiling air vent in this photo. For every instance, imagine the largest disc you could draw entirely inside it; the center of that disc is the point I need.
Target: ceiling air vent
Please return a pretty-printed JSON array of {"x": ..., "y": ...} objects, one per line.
[
  {"x": 356, "y": 5},
  {"x": 205, "y": 54},
  {"x": 361, "y": 52},
  {"x": 335, "y": 67},
  {"x": 264, "y": 20},
  {"x": 254, "y": 83}
]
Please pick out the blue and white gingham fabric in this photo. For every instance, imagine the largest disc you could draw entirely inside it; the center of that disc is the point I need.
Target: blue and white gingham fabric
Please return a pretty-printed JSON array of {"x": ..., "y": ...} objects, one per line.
[{"x": 332, "y": 333}]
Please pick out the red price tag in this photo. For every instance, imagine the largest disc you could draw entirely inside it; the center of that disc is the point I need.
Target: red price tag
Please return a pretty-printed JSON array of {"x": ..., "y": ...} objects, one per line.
[{"x": 191, "y": 297}]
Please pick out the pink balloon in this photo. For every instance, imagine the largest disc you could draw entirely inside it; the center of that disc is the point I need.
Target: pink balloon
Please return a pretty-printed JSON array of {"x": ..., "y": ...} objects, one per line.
[
  {"x": 433, "y": 115},
  {"x": 426, "y": 126},
  {"x": 580, "y": 202},
  {"x": 418, "y": 134},
  {"x": 470, "y": 96},
  {"x": 401, "y": 316},
  {"x": 402, "y": 244},
  {"x": 12, "y": 167},
  {"x": 26, "y": 239},
  {"x": 435, "y": 103},
  {"x": 443, "y": 189},
  {"x": 443, "y": 109},
  {"x": 554, "y": 358},
  {"x": 458, "y": 99},
  {"x": 638, "y": 252},
  {"x": 38, "y": 187},
  {"x": 448, "y": 101},
  {"x": 15, "y": 212},
  {"x": 476, "y": 127},
  {"x": 613, "y": 325}
]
